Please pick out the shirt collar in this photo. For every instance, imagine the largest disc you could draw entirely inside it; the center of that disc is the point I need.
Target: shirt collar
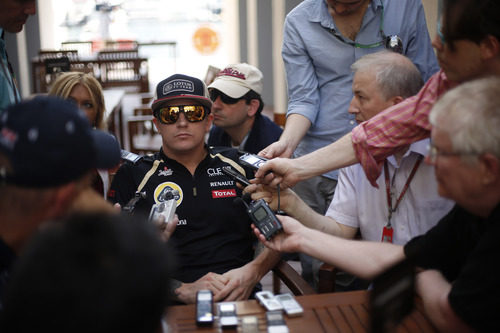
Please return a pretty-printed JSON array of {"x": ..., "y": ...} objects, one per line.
[
  {"x": 319, "y": 12},
  {"x": 420, "y": 147}
]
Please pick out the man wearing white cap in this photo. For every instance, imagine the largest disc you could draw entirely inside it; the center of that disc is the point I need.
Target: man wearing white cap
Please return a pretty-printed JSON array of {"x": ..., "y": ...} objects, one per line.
[{"x": 237, "y": 109}]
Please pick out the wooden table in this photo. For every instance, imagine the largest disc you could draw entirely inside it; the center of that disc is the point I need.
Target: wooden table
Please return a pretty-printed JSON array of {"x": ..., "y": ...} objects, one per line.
[{"x": 333, "y": 312}]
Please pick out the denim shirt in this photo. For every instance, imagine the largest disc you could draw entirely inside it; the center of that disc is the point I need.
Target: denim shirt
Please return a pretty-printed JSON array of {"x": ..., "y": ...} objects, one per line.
[
  {"x": 8, "y": 90},
  {"x": 318, "y": 64}
]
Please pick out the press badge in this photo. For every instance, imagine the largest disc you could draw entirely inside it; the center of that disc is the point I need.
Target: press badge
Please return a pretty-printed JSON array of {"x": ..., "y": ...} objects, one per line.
[{"x": 387, "y": 233}]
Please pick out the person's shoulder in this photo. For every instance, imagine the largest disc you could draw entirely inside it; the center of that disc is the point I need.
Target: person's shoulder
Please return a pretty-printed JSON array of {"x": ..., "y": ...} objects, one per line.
[
  {"x": 143, "y": 162},
  {"x": 305, "y": 6},
  {"x": 216, "y": 136},
  {"x": 230, "y": 152}
]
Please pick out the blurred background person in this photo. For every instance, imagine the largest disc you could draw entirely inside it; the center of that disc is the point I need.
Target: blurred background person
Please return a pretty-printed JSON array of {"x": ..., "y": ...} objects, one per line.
[{"x": 86, "y": 92}]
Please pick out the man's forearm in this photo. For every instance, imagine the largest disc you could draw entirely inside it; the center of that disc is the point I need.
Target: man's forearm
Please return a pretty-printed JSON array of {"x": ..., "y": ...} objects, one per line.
[
  {"x": 295, "y": 129},
  {"x": 361, "y": 258},
  {"x": 299, "y": 210},
  {"x": 265, "y": 259},
  {"x": 336, "y": 155},
  {"x": 434, "y": 290}
]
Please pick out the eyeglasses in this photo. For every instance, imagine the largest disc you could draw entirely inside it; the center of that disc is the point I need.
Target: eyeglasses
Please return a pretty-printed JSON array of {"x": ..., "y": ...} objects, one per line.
[
  {"x": 214, "y": 93},
  {"x": 434, "y": 152},
  {"x": 392, "y": 42},
  {"x": 170, "y": 114}
]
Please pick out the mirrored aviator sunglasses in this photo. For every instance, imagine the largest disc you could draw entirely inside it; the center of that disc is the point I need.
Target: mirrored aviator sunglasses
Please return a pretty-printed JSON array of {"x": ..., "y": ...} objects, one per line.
[
  {"x": 214, "y": 93},
  {"x": 170, "y": 114}
]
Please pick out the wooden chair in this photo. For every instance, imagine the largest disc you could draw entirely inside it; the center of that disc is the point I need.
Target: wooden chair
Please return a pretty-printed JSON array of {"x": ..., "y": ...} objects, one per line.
[
  {"x": 326, "y": 277},
  {"x": 142, "y": 134},
  {"x": 292, "y": 279}
]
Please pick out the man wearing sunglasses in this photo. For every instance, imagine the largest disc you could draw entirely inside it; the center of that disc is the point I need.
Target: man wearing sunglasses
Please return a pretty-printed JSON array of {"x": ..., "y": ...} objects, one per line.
[
  {"x": 213, "y": 241},
  {"x": 237, "y": 109}
]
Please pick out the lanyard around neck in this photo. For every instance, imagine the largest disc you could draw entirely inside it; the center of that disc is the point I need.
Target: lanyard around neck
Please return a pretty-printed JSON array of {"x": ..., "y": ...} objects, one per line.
[{"x": 405, "y": 188}]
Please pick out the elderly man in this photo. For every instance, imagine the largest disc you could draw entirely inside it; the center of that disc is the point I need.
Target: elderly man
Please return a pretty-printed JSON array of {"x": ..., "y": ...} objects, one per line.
[
  {"x": 380, "y": 80},
  {"x": 459, "y": 256},
  {"x": 237, "y": 109},
  {"x": 13, "y": 15},
  {"x": 47, "y": 152},
  {"x": 213, "y": 240}
]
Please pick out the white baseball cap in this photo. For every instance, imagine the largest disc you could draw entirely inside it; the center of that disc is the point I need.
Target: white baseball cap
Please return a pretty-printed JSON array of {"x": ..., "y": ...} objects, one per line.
[{"x": 237, "y": 79}]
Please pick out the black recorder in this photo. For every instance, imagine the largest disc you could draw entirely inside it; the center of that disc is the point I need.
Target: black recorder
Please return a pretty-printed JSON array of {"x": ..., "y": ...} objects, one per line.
[
  {"x": 252, "y": 160},
  {"x": 263, "y": 218},
  {"x": 235, "y": 175},
  {"x": 259, "y": 211}
]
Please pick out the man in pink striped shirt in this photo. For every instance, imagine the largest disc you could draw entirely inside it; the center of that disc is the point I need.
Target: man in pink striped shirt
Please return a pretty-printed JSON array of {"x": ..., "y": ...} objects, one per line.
[{"x": 467, "y": 47}]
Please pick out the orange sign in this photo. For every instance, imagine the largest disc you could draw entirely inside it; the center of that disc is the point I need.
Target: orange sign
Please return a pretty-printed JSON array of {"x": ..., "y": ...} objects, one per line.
[{"x": 205, "y": 40}]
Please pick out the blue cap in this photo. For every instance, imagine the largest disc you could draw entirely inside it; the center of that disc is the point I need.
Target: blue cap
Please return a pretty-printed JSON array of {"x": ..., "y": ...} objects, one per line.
[{"x": 48, "y": 142}]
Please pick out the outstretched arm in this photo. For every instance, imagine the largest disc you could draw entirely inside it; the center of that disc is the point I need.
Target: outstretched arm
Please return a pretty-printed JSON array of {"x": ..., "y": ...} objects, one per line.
[
  {"x": 294, "y": 206},
  {"x": 361, "y": 258},
  {"x": 289, "y": 172}
]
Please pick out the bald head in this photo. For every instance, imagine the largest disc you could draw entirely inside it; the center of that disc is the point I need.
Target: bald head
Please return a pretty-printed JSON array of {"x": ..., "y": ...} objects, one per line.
[{"x": 394, "y": 73}]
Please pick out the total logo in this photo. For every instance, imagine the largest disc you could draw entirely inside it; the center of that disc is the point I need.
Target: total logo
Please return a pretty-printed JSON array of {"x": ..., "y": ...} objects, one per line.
[
  {"x": 168, "y": 186},
  {"x": 228, "y": 193}
]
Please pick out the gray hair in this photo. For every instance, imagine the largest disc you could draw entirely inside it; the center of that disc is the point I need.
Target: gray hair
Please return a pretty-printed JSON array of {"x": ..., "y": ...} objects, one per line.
[
  {"x": 470, "y": 114},
  {"x": 395, "y": 74}
]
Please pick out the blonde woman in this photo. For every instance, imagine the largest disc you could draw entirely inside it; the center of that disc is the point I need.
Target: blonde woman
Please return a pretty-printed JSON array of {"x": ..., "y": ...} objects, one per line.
[{"x": 85, "y": 91}]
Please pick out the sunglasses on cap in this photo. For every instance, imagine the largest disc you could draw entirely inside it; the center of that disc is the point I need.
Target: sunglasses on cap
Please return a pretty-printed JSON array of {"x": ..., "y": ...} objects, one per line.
[
  {"x": 214, "y": 93},
  {"x": 170, "y": 114}
]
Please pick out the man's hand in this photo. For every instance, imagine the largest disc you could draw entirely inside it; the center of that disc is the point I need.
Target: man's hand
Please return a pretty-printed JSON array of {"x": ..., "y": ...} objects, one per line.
[
  {"x": 187, "y": 291},
  {"x": 277, "y": 149},
  {"x": 166, "y": 229},
  {"x": 283, "y": 171},
  {"x": 241, "y": 282},
  {"x": 270, "y": 195},
  {"x": 287, "y": 241}
]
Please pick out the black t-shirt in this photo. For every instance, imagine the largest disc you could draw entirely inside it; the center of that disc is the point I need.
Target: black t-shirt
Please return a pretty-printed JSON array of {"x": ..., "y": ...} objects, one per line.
[
  {"x": 466, "y": 250},
  {"x": 213, "y": 234}
]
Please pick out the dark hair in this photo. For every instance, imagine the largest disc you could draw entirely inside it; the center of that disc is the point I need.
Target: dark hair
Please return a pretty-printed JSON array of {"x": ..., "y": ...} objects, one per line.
[
  {"x": 253, "y": 95},
  {"x": 471, "y": 19},
  {"x": 91, "y": 273}
]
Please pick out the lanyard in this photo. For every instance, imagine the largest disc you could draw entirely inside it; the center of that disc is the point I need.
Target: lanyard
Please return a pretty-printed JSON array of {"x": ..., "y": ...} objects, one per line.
[{"x": 388, "y": 187}]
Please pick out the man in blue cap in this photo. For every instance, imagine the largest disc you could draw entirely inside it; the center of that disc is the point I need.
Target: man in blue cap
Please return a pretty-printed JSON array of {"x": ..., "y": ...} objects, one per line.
[
  {"x": 47, "y": 150},
  {"x": 213, "y": 241}
]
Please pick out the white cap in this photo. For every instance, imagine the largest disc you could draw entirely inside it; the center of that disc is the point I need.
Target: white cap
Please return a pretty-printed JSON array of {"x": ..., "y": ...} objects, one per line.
[{"x": 237, "y": 79}]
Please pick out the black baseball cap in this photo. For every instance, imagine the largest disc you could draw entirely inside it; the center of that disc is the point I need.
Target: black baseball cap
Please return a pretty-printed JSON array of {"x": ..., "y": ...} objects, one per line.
[
  {"x": 179, "y": 86},
  {"x": 50, "y": 142}
]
